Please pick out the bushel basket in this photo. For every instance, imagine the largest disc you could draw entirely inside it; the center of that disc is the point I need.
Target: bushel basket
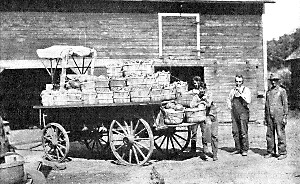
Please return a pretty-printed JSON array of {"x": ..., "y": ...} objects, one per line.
[
  {"x": 172, "y": 117},
  {"x": 194, "y": 115}
]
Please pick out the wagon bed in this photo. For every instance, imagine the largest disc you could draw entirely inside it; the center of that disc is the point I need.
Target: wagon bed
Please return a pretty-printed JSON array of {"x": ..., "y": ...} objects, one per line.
[{"x": 130, "y": 130}]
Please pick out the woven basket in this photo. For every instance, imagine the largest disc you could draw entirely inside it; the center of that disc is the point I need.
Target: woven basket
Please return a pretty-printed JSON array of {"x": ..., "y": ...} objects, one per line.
[
  {"x": 102, "y": 89},
  {"x": 117, "y": 82},
  {"x": 140, "y": 99},
  {"x": 194, "y": 115},
  {"x": 88, "y": 85},
  {"x": 89, "y": 98},
  {"x": 114, "y": 71},
  {"x": 105, "y": 95},
  {"x": 157, "y": 98},
  {"x": 104, "y": 101},
  {"x": 121, "y": 100},
  {"x": 102, "y": 83},
  {"x": 172, "y": 117},
  {"x": 135, "y": 80},
  {"x": 121, "y": 94},
  {"x": 140, "y": 93},
  {"x": 185, "y": 99}
]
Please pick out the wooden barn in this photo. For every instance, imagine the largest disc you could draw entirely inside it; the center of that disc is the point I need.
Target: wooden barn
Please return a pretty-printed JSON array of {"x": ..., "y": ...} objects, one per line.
[
  {"x": 215, "y": 39},
  {"x": 294, "y": 61}
]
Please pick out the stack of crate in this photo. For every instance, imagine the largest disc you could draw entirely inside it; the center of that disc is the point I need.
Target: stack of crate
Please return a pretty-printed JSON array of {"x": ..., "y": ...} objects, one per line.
[
  {"x": 89, "y": 93},
  {"x": 119, "y": 89},
  {"x": 114, "y": 70},
  {"x": 139, "y": 89},
  {"x": 104, "y": 95}
]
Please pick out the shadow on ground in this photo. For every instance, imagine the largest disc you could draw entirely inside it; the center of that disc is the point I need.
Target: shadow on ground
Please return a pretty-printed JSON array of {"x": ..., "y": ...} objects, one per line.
[{"x": 258, "y": 151}]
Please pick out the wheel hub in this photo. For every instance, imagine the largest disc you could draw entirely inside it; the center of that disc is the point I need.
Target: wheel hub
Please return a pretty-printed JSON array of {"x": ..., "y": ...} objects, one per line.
[
  {"x": 55, "y": 141},
  {"x": 128, "y": 139}
]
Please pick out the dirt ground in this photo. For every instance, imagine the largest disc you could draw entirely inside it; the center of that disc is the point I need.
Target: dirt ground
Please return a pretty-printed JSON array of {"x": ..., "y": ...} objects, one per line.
[{"x": 83, "y": 167}]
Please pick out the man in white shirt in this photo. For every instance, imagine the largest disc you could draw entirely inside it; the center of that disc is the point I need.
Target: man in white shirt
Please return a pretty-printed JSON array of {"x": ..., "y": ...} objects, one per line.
[{"x": 238, "y": 102}]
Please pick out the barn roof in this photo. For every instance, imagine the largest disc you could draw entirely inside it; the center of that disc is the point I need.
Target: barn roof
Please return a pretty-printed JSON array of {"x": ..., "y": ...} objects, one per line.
[
  {"x": 294, "y": 55},
  {"x": 207, "y": 1}
]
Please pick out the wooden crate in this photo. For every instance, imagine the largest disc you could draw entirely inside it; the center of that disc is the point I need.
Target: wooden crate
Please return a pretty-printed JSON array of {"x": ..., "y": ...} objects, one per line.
[
  {"x": 121, "y": 94},
  {"x": 121, "y": 100},
  {"x": 121, "y": 82},
  {"x": 140, "y": 99},
  {"x": 104, "y": 101},
  {"x": 105, "y": 95},
  {"x": 89, "y": 98}
]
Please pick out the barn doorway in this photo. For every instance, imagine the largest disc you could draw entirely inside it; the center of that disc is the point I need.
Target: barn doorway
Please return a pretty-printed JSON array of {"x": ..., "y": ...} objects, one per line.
[{"x": 183, "y": 73}]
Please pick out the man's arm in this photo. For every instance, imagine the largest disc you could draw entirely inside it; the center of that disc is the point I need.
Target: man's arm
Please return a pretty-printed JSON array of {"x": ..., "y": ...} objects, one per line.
[
  {"x": 284, "y": 102},
  {"x": 246, "y": 95},
  {"x": 194, "y": 102}
]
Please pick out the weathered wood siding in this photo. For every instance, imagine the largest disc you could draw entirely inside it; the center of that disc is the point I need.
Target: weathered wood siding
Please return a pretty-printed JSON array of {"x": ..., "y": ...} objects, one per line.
[{"x": 230, "y": 40}]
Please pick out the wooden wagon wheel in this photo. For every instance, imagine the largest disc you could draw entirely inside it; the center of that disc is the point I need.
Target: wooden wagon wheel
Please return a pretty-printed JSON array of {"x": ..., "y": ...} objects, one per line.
[
  {"x": 131, "y": 142},
  {"x": 97, "y": 140},
  {"x": 172, "y": 140},
  {"x": 55, "y": 142}
]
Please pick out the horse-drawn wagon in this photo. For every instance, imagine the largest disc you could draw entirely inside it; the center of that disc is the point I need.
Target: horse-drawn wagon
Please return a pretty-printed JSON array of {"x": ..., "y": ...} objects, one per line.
[{"x": 130, "y": 129}]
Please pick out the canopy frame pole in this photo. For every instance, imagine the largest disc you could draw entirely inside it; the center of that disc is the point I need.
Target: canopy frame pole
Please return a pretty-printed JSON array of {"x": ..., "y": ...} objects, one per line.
[
  {"x": 88, "y": 66},
  {"x": 46, "y": 68},
  {"x": 82, "y": 69},
  {"x": 76, "y": 65},
  {"x": 63, "y": 71}
]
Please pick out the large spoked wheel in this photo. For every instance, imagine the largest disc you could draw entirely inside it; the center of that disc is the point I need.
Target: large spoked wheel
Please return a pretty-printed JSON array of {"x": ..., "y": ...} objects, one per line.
[
  {"x": 97, "y": 140},
  {"x": 172, "y": 140},
  {"x": 55, "y": 142},
  {"x": 131, "y": 142}
]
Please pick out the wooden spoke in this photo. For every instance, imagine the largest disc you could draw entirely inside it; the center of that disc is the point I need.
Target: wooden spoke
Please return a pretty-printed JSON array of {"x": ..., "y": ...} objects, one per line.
[
  {"x": 139, "y": 150},
  {"x": 127, "y": 127},
  {"x": 121, "y": 127},
  {"x": 55, "y": 142},
  {"x": 97, "y": 140},
  {"x": 137, "y": 142},
  {"x": 130, "y": 155},
  {"x": 116, "y": 131},
  {"x": 180, "y": 137},
  {"x": 177, "y": 143},
  {"x": 136, "y": 126},
  {"x": 140, "y": 131},
  {"x": 172, "y": 140},
  {"x": 136, "y": 156}
]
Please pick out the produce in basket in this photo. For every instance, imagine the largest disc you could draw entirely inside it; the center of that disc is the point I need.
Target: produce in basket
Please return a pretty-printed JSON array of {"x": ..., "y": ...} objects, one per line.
[{"x": 173, "y": 117}]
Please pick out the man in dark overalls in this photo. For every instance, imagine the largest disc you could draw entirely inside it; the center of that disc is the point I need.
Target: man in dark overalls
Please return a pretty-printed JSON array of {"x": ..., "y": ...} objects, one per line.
[
  {"x": 238, "y": 101},
  {"x": 276, "y": 110}
]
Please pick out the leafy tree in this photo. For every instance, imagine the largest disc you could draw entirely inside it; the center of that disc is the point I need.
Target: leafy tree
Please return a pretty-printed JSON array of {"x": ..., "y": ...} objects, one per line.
[{"x": 279, "y": 50}]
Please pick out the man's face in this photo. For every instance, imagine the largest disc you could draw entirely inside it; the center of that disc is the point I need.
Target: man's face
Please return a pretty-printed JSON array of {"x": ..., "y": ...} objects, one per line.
[
  {"x": 238, "y": 81},
  {"x": 196, "y": 84},
  {"x": 201, "y": 91},
  {"x": 274, "y": 83}
]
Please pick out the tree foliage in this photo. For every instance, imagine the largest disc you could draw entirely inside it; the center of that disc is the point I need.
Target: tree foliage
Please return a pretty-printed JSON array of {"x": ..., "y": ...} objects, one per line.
[{"x": 279, "y": 50}]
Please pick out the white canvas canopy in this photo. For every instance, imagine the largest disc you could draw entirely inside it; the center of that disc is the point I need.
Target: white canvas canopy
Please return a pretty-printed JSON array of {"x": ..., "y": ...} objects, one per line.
[
  {"x": 64, "y": 55},
  {"x": 61, "y": 51}
]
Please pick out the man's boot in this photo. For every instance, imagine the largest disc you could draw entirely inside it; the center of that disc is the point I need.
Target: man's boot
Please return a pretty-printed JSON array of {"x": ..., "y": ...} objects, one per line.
[{"x": 193, "y": 146}]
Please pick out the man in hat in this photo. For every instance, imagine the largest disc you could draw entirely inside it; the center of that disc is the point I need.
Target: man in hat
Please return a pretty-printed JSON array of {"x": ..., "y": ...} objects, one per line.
[{"x": 276, "y": 110}]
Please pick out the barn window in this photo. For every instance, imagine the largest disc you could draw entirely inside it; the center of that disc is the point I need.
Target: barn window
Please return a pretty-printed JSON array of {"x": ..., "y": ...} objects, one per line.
[{"x": 179, "y": 34}]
